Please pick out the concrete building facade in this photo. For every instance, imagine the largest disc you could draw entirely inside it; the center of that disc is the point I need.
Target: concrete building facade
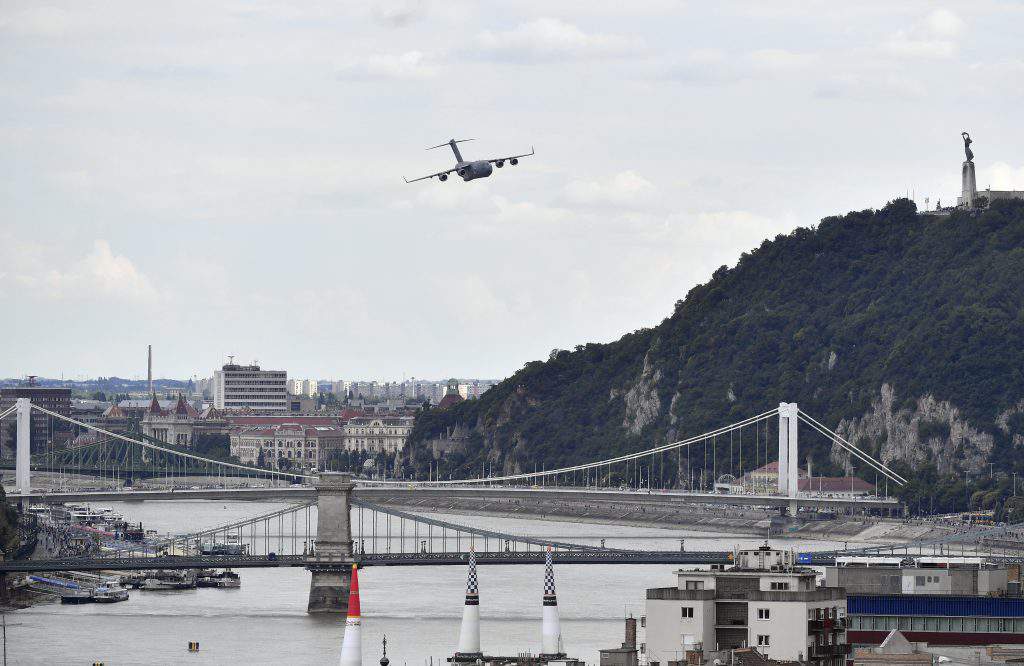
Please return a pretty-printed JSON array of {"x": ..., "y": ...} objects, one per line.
[
  {"x": 763, "y": 601},
  {"x": 46, "y": 430},
  {"x": 248, "y": 387},
  {"x": 378, "y": 434}
]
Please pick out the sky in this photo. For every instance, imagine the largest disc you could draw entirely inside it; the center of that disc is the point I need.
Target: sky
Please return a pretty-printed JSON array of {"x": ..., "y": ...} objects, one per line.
[{"x": 225, "y": 177}]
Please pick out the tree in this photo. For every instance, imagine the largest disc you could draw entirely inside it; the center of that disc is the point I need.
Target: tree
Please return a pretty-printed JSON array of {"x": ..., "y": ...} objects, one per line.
[{"x": 261, "y": 459}]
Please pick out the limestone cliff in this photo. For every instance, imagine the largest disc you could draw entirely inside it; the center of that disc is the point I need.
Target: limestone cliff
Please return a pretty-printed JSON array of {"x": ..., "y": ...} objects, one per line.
[{"x": 905, "y": 331}]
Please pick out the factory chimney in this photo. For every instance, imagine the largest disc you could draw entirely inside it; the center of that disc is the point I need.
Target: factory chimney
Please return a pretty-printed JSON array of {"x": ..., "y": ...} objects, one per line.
[
  {"x": 551, "y": 631},
  {"x": 469, "y": 636},
  {"x": 149, "y": 367},
  {"x": 352, "y": 644}
]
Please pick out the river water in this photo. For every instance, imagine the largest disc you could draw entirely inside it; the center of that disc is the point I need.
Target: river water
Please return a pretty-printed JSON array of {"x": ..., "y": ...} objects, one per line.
[{"x": 418, "y": 608}]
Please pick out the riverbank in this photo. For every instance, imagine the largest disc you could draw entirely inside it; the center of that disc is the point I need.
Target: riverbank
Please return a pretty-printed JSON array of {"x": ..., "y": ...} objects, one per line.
[{"x": 699, "y": 518}]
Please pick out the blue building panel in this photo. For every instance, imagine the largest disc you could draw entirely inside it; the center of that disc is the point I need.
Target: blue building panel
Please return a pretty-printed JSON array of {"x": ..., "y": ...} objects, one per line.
[{"x": 943, "y": 605}]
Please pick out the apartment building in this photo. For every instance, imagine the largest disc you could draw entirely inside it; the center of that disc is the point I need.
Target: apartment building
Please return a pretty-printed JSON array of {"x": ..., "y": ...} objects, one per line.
[{"x": 762, "y": 601}]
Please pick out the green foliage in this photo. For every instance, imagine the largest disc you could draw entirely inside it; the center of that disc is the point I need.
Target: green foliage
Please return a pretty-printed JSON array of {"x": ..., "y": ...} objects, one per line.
[
  {"x": 8, "y": 524},
  {"x": 213, "y": 444},
  {"x": 822, "y": 316}
]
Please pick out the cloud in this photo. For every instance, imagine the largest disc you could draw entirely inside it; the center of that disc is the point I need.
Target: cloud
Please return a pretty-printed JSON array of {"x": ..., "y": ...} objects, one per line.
[
  {"x": 398, "y": 13},
  {"x": 99, "y": 275},
  {"x": 1002, "y": 176},
  {"x": 944, "y": 23},
  {"x": 779, "y": 60},
  {"x": 551, "y": 39},
  {"x": 39, "y": 22},
  {"x": 714, "y": 66},
  {"x": 408, "y": 66},
  {"x": 626, "y": 188},
  {"x": 933, "y": 37}
]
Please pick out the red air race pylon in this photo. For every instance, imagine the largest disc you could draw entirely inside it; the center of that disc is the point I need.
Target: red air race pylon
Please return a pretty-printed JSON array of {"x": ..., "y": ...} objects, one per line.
[{"x": 352, "y": 644}]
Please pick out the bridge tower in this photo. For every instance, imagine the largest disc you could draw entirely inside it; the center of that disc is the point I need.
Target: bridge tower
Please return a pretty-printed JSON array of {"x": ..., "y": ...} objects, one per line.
[
  {"x": 330, "y": 565},
  {"x": 23, "y": 452},
  {"x": 789, "y": 459}
]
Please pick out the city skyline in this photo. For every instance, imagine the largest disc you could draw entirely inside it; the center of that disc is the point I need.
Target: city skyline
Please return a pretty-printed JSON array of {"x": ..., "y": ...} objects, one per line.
[{"x": 246, "y": 169}]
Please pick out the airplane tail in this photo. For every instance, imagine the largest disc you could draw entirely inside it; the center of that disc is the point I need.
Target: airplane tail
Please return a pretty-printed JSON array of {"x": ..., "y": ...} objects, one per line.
[{"x": 455, "y": 149}]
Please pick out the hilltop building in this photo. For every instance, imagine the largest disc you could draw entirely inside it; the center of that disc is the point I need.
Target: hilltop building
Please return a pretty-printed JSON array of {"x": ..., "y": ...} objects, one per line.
[{"x": 452, "y": 396}]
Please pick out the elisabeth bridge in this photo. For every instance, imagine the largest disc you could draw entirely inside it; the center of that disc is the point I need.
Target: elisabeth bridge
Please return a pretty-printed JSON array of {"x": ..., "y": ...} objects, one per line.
[{"x": 333, "y": 520}]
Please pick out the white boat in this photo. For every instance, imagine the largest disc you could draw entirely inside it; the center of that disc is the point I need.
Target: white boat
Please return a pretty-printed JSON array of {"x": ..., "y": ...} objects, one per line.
[{"x": 108, "y": 594}]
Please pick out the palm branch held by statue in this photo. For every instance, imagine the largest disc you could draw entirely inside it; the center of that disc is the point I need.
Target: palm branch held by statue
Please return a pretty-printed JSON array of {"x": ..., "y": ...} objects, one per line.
[{"x": 967, "y": 146}]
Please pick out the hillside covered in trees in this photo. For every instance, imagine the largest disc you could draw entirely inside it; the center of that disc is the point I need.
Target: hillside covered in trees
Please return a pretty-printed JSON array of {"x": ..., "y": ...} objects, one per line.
[{"x": 903, "y": 331}]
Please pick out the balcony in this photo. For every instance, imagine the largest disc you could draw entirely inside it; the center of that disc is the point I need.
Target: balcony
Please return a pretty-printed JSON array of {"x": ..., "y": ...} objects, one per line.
[
  {"x": 824, "y": 651},
  {"x": 826, "y": 625}
]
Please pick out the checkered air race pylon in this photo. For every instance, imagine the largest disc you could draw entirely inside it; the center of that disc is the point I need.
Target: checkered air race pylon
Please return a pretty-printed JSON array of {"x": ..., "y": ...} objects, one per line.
[
  {"x": 551, "y": 632},
  {"x": 469, "y": 636}
]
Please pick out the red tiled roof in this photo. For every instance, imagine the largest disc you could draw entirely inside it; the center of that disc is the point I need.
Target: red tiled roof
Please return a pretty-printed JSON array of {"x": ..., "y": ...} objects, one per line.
[
  {"x": 154, "y": 406},
  {"x": 114, "y": 412},
  {"x": 773, "y": 468},
  {"x": 449, "y": 400}
]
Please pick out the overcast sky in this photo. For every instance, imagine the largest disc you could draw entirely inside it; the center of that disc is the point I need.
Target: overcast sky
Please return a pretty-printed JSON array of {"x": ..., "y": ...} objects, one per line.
[{"x": 225, "y": 177}]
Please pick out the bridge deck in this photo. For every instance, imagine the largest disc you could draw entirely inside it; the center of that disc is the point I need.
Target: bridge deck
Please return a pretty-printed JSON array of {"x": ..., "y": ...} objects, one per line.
[
  {"x": 383, "y": 493},
  {"x": 378, "y": 559}
]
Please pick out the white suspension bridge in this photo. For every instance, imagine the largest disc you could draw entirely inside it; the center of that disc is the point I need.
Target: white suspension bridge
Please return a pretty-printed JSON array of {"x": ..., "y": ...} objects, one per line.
[{"x": 329, "y": 505}]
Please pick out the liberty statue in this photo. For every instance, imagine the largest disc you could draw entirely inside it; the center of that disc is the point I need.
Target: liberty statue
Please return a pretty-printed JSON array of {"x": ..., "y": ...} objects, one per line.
[{"x": 967, "y": 146}]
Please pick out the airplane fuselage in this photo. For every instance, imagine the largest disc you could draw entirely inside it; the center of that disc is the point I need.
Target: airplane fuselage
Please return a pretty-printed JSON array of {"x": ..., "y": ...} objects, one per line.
[{"x": 474, "y": 170}]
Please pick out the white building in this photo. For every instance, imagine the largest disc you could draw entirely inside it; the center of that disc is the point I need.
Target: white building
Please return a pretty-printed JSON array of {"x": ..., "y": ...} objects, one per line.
[
  {"x": 764, "y": 601},
  {"x": 377, "y": 434},
  {"x": 249, "y": 387},
  {"x": 303, "y": 387}
]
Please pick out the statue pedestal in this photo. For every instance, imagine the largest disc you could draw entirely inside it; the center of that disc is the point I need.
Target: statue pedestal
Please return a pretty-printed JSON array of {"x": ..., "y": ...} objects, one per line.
[{"x": 969, "y": 186}]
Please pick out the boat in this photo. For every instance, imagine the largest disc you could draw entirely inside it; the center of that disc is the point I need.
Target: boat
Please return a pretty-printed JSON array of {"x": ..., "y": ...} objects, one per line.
[
  {"x": 109, "y": 594},
  {"x": 169, "y": 580},
  {"x": 226, "y": 579},
  {"x": 77, "y": 596}
]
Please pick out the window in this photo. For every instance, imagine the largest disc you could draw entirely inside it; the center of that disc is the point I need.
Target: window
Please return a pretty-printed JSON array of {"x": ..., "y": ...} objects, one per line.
[
  {"x": 695, "y": 585},
  {"x": 764, "y": 614},
  {"x": 779, "y": 585},
  {"x": 687, "y": 611},
  {"x": 764, "y": 640},
  {"x": 918, "y": 581}
]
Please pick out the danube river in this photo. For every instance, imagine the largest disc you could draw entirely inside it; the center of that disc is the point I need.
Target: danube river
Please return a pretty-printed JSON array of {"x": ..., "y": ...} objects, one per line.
[{"x": 418, "y": 608}]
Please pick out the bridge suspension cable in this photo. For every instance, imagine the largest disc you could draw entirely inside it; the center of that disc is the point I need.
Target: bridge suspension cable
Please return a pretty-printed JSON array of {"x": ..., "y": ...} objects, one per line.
[
  {"x": 592, "y": 465},
  {"x": 180, "y": 454},
  {"x": 831, "y": 434}
]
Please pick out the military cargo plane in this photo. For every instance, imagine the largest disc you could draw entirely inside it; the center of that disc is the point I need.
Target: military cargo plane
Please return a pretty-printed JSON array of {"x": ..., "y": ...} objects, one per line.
[{"x": 469, "y": 170}]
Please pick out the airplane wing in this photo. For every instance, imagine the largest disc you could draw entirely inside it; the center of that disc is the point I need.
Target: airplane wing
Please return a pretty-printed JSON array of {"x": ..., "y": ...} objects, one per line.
[
  {"x": 511, "y": 157},
  {"x": 433, "y": 175}
]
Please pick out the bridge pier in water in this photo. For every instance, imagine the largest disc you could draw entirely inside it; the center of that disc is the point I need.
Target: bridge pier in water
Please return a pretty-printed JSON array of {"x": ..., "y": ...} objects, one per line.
[{"x": 330, "y": 564}]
